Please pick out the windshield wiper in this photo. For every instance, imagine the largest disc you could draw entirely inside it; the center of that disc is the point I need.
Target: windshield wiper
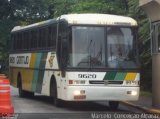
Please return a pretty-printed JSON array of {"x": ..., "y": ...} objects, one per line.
[
  {"x": 95, "y": 60},
  {"x": 89, "y": 53},
  {"x": 111, "y": 53}
]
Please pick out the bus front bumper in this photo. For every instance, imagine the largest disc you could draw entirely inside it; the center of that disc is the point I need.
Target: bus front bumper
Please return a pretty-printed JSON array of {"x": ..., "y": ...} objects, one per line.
[{"x": 101, "y": 93}]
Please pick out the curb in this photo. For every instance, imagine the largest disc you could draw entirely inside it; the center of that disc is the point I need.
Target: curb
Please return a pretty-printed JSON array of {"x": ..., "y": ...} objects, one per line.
[{"x": 146, "y": 109}]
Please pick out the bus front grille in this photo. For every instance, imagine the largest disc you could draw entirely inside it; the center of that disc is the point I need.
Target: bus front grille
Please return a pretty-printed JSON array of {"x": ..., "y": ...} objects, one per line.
[
  {"x": 106, "y": 82},
  {"x": 96, "y": 82}
]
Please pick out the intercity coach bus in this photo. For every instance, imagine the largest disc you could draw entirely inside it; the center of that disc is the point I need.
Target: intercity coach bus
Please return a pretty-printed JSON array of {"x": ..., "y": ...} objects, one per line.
[{"x": 77, "y": 57}]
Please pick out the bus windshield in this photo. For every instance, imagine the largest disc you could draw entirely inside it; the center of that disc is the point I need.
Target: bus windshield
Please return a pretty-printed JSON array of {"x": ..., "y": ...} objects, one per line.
[{"x": 102, "y": 47}]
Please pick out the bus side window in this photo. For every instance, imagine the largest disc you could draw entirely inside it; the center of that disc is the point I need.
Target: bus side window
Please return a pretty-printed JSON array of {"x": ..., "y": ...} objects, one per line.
[
  {"x": 40, "y": 38},
  {"x": 35, "y": 39},
  {"x": 32, "y": 39},
  {"x": 22, "y": 41},
  {"x": 45, "y": 36},
  {"x": 18, "y": 41},
  {"x": 52, "y": 36},
  {"x": 26, "y": 40}
]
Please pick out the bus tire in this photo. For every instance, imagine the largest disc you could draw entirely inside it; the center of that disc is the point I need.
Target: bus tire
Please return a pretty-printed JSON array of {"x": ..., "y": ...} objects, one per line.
[
  {"x": 113, "y": 104},
  {"x": 20, "y": 90},
  {"x": 57, "y": 102},
  {"x": 29, "y": 94}
]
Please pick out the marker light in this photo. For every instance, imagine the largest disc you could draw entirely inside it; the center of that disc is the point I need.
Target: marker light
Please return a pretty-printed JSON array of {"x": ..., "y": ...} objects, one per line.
[
  {"x": 70, "y": 81},
  {"x": 76, "y": 82}
]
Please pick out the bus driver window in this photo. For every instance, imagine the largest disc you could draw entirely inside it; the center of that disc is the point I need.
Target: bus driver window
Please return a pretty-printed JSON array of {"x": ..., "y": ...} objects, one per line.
[
  {"x": 115, "y": 40},
  {"x": 121, "y": 48}
]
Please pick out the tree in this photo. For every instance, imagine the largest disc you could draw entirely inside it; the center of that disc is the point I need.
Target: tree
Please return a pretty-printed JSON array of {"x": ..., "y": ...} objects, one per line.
[{"x": 144, "y": 39}]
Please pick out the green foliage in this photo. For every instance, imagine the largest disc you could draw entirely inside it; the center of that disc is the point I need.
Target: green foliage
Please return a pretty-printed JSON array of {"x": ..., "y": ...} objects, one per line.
[
  {"x": 144, "y": 39},
  {"x": 30, "y": 11},
  {"x": 90, "y": 6}
]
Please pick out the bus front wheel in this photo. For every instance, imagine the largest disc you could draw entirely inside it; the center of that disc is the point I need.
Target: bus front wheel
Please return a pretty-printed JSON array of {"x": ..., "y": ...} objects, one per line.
[
  {"x": 57, "y": 102},
  {"x": 113, "y": 104}
]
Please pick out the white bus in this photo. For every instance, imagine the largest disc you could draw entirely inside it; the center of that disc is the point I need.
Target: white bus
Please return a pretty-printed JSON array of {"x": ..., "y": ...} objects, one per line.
[{"x": 77, "y": 57}]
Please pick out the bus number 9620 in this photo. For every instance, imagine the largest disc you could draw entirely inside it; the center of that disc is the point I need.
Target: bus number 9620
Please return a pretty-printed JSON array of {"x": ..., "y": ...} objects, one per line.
[{"x": 87, "y": 76}]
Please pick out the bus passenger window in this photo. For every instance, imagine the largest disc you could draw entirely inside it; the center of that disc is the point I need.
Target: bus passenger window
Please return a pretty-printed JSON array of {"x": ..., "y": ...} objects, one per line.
[
  {"x": 44, "y": 40},
  {"x": 49, "y": 37},
  {"x": 19, "y": 41},
  {"x": 26, "y": 40},
  {"x": 40, "y": 38},
  {"x": 15, "y": 42},
  {"x": 32, "y": 39},
  {"x": 52, "y": 33},
  {"x": 36, "y": 39},
  {"x": 54, "y": 36}
]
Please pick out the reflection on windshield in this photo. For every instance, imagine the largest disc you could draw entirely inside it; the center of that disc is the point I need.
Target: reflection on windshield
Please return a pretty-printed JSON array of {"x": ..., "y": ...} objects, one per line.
[
  {"x": 101, "y": 47},
  {"x": 87, "y": 47},
  {"x": 120, "y": 47}
]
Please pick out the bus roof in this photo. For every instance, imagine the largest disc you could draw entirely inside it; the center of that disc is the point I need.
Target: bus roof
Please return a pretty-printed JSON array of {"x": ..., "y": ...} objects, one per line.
[
  {"x": 91, "y": 19},
  {"x": 103, "y": 19}
]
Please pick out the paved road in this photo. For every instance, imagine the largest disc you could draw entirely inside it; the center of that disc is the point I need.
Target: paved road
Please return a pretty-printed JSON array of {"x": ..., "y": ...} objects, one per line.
[{"x": 41, "y": 104}]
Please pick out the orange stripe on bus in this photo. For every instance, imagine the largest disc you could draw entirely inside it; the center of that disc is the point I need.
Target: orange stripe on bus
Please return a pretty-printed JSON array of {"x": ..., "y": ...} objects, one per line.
[{"x": 32, "y": 60}]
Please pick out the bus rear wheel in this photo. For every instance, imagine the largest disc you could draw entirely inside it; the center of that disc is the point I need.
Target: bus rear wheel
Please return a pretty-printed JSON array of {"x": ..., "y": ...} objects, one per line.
[
  {"x": 114, "y": 104},
  {"x": 21, "y": 92}
]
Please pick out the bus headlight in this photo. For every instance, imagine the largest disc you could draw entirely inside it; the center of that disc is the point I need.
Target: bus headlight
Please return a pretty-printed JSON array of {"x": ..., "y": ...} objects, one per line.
[
  {"x": 133, "y": 93},
  {"x": 79, "y": 95},
  {"x": 77, "y": 92}
]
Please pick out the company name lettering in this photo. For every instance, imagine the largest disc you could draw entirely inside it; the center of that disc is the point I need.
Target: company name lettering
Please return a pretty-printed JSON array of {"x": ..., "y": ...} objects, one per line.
[{"x": 19, "y": 60}]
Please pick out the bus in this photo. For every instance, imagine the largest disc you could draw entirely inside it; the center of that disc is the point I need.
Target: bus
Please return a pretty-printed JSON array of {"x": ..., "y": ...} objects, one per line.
[{"x": 77, "y": 57}]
